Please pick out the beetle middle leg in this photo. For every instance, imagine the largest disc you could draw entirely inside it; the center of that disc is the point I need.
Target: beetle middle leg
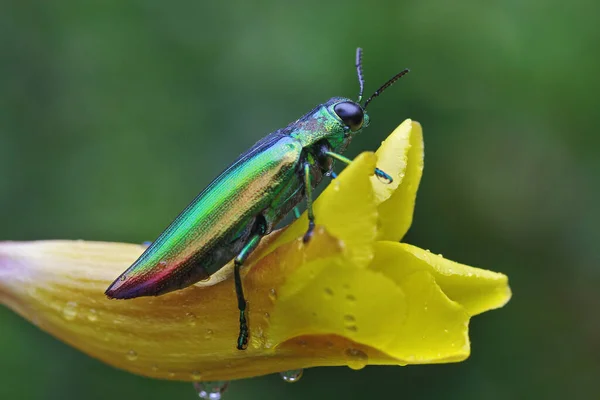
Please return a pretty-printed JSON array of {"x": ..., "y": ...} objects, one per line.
[
  {"x": 238, "y": 262},
  {"x": 309, "y": 202}
]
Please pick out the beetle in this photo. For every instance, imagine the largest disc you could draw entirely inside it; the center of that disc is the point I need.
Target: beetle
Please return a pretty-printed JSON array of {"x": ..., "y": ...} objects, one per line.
[{"x": 244, "y": 203}]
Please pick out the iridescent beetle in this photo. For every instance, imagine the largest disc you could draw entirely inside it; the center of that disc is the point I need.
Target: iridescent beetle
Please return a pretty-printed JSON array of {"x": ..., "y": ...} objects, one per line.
[{"x": 227, "y": 219}]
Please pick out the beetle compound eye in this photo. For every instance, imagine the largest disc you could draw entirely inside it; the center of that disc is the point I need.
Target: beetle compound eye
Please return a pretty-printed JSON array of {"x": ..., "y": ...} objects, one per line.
[{"x": 351, "y": 114}]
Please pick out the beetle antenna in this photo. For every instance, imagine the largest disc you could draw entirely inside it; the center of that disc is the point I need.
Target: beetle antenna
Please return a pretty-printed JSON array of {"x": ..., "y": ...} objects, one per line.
[
  {"x": 385, "y": 86},
  {"x": 361, "y": 78}
]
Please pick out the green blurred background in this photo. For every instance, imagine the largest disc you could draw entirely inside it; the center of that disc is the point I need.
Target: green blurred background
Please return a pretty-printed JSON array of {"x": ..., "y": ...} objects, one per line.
[{"x": 114, "y": 114}]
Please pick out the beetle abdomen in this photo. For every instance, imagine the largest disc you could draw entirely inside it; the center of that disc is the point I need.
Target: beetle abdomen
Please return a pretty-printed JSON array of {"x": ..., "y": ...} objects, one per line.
[{"x": 167, "y": 276}]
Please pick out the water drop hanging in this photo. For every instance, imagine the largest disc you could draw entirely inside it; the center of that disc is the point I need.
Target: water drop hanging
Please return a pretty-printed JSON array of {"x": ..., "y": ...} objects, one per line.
[
  {"x": 356, "y": 359},
  {"x": 212, "y": 390},
  {"x": 292, "y": 375}
]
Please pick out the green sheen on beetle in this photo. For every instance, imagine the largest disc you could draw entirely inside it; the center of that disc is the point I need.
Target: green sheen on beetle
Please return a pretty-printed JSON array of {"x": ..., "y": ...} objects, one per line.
[{"x": 227, "y": 219}]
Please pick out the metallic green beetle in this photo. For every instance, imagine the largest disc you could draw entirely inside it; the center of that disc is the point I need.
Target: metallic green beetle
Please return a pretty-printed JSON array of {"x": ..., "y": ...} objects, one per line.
[{"x": 227, "y": 220}]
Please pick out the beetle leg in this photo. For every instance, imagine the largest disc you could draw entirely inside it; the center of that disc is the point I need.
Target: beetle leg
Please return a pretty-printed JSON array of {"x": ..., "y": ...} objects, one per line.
[
  {"x": 379, "y": 173},
  {"x": 309, "y": 203},
  {"x": 239, "y": 291}
]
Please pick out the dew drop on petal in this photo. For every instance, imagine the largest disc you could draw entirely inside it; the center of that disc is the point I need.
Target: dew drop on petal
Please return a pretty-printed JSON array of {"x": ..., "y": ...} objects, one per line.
[
  {"x": 191, "y": 318},
  {"x": 132, "y": 355},
  {"x": 356, "y": 359},
  {"x": 292, "y": 376},
  {"x": 70, "y": 311},
  {"x": 273, "y": 294},
  {"x": 212, "y": 390},
  {"x": 92, "y": 315},
  {"x": 196, "y": 375}
]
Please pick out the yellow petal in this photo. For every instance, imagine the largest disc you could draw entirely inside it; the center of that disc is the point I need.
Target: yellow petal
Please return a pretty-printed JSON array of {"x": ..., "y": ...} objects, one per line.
[
  {"x": 186, "y": 335},
  {"x": 392, "y": 157},
  {"x": 477, "y": 290},
  {"x": 346, "y": 209},
  {"x": 401, "y": 156}
]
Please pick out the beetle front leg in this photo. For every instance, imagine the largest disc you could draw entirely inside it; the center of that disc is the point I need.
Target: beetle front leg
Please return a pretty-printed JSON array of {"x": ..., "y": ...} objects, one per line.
[
  {"x": 309, "y": 203},
  {"x": 379, "y": 173},
  {"x": 239, "y": 290}
]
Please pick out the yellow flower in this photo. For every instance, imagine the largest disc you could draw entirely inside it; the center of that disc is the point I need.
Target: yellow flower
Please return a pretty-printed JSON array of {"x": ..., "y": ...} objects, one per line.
[{"x": 354, "y": 295}]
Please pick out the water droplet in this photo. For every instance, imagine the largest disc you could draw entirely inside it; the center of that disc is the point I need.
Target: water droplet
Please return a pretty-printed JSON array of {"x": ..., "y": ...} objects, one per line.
[
  {"x": 329, "y": 292},
  {"x": 123, "y": 278},
  {"x": 349, "y": 318},
  {"x": 209, "y": 334},
  {"x": 350, "y": 298},
  {"x": 92, "y": 315},
  {"x": 191, "y": 318},
  {"x": 446, "y": 331},
  {"x": 70, "y": 311},
  {"x": 441, "y": 255},
  {"x": 146, "y": 244},
  {"x": 356, "y": 359},
  {"x": 212, "y": 390},
  {"x": 336, "y": 185},
  {"x": 171, "y": 374},
  {"x": 196, "y": 375},
  {"x": 259, "y": 332},
  {"x": 292, "y": 376},
  {"x": 132, "y": 355},
  {"x": 273, "y": 294}
]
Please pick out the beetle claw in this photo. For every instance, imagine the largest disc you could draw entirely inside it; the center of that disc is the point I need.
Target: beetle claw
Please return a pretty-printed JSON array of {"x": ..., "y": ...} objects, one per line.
[{"x": 309, "y": 233}]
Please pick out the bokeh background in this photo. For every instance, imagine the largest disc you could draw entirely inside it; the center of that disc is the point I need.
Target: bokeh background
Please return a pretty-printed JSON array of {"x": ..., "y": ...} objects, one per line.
[{"x": 114, "y": 114}]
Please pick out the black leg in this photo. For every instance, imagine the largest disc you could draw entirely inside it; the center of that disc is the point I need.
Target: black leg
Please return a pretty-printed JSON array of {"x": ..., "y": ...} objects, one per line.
[{"x": 239, "y": 290}]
